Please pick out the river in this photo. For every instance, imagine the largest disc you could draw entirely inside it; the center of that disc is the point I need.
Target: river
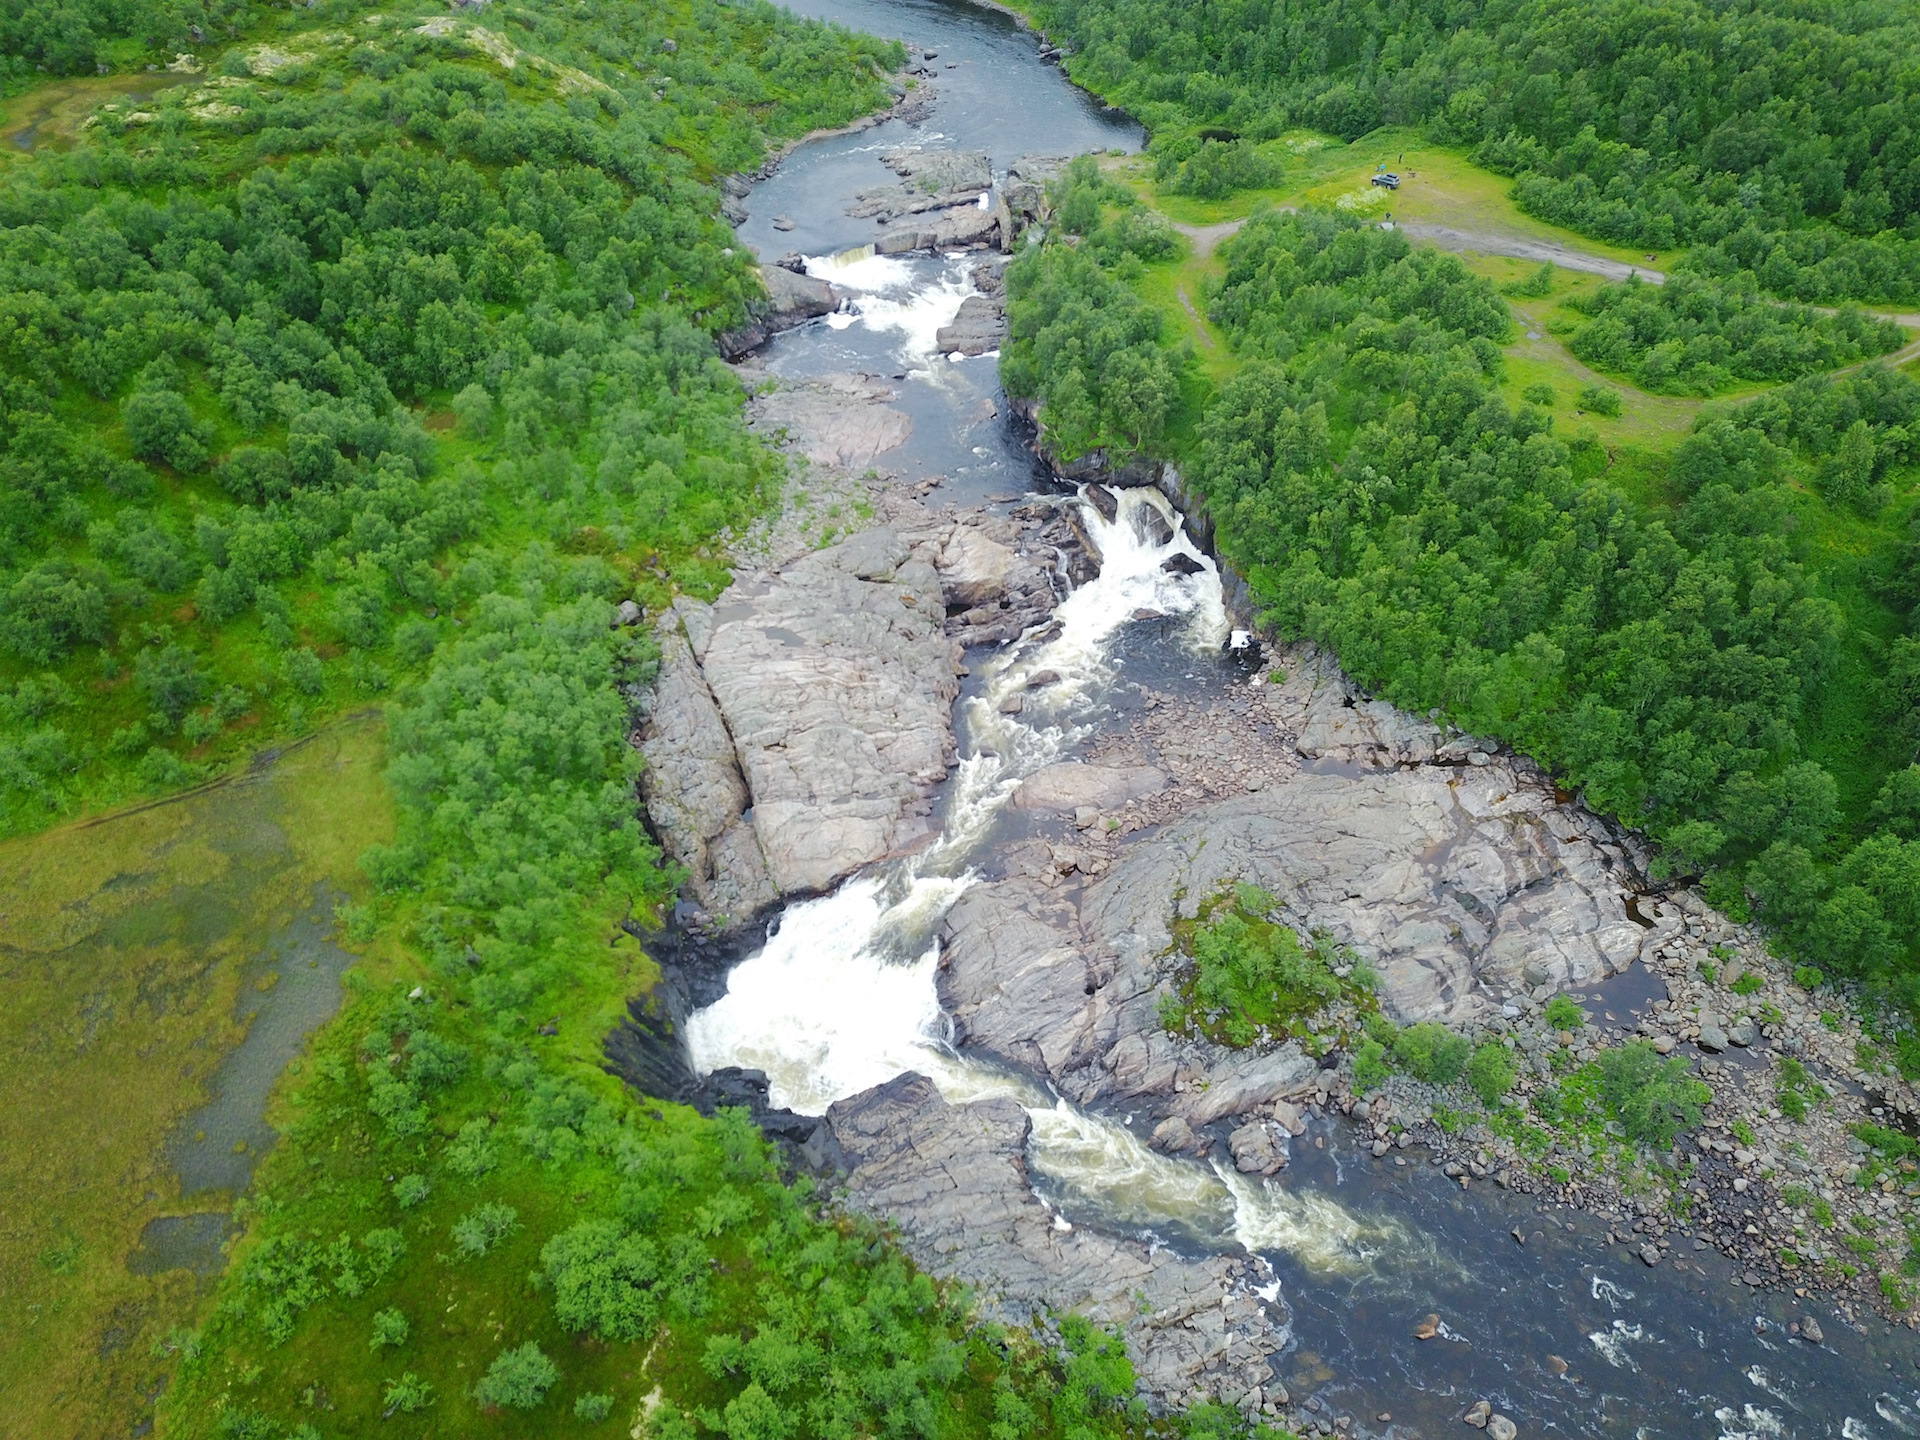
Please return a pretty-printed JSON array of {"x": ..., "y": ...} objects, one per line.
[{"x": 1562, "y": 1331}]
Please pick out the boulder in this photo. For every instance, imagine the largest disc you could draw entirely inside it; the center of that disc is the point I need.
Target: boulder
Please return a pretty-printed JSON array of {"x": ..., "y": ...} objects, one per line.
[
  {"x": 1254, "y": 1149},
  {"x": 1070, "y": 784},
  {"x": 1173, "y": 1135},
  {"x": 978, "y": 326},
  {"x": 975, "y": 570}
]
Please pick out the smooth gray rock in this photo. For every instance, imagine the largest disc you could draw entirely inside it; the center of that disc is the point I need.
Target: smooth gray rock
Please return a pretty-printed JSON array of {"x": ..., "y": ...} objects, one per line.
[
  {"x": 1070, "y": 785},
  {"x": 1448, "y": 881},
  {"x": 792, "y": 298},
  {"x": 1019, "y": 985},
  {"x": 978, "y": 326},
  {"x": 930, "y": 180},
  {"x": 954, "y": 1181},
  {"x": 837, "y": 685},
  {"x": 975, "y": 568},
  {"x": 692, "y": 785},
  {"x": 1712, "y": 1039},
  {"x": 839, "y": 420}
]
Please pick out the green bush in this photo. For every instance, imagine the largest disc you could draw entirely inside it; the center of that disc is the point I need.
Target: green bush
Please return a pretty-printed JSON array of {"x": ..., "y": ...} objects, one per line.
[
  {"x": 409, "y": 1394},
  {"x": 1654, "y": 1099},
  {"x": 615, "y": 1284},
  {"x": 389, "y": 1328},
  {"x": 1563, "y": 1013},
  {"x": 1431, "y": 1052},
  {"x": 477, "y": 1232},
  {"x": 161, "y": 427},
  {"x": 1370, "y": 1069},
  {"x": 1750, "y": 982},
  {"x": 518, "y": 1379},
  {"x": 1600, "y": 399},
  {"x": 1249, "y": 974},
  {"x": 1219, "y": 168},
  {"x": 1698, "y": 337},
  {"x": 1538, "y": 395},
  {"x": 1491, "y": 1072},
  {"x": 593, "y": 1408}
]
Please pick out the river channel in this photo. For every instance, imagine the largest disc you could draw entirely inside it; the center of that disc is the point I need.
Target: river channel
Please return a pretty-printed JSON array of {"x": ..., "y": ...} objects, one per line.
[{"x": 1557, "y": 1328}]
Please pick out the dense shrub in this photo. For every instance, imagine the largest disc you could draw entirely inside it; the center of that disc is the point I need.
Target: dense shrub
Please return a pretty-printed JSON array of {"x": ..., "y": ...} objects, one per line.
[
  {"x": 1726, "y": 130},
  {"x": 1431, "y": 1052},
  {"x": 1654, "y": 1099},
  {"x": 1491, "y": 1072},
  {"x": 1250, "y": 975},
  {"x": 1697, "y": 337},
  {"x": 518, "y": 1379}
]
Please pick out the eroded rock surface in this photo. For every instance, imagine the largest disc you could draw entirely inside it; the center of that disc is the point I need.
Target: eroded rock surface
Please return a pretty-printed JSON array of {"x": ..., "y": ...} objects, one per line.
[
  {"x": 799, "y": 724},
  {"x": 839, "y": 420},
  {"x": 954, "y": 1180},
  {"x": 835, "y": 681},
  {"x": 1457, "y": 873},
  {"x": 792, "y": 299}
]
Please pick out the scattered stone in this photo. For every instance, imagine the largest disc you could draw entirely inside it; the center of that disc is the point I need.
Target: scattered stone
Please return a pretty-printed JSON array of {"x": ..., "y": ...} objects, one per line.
[
  {"x": 1556, "y": 1366},
  {"x": 1427, "y": 1328},
  {"x": 1650, "y": 1255},
  {"x": 1477, "y": 1414},
  {"x": 1013, "y": 704},
  {"x": 1499, "y": 1427},
  {"x": 1712, "y": 1039},
  {"x": 1810, "y": 1331}
]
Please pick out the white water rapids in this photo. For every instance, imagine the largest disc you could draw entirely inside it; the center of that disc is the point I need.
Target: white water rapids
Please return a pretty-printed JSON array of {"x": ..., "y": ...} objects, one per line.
[{"x": 842, "y": 996}]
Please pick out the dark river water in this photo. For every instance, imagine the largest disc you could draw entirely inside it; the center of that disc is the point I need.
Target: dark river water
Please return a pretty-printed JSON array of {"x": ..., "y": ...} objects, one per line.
[{"x": 1363, "y": 1249}]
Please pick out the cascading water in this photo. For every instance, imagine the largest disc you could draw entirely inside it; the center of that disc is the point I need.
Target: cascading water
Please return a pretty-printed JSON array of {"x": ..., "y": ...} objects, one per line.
[{"x": 842, "y": 996}]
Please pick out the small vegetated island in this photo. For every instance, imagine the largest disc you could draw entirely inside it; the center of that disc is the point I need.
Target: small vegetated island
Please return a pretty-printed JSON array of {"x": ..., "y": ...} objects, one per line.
[{"x": 361, "y": 356}]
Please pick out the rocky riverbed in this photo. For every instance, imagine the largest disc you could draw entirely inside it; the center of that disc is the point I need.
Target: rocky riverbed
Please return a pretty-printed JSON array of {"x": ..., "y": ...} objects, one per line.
[{"x": 800, "y": 731}]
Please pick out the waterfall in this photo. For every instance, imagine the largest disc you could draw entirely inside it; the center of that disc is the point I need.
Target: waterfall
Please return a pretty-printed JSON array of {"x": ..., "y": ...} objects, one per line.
[{"x": 842, "y": 996}]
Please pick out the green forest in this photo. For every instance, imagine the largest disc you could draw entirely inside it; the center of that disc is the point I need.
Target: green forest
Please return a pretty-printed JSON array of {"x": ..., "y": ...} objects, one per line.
[
  {"x": 1711, "y": 635},
  {"x": 1777, "y": 141},
  {"x": 360, "y": 357}
]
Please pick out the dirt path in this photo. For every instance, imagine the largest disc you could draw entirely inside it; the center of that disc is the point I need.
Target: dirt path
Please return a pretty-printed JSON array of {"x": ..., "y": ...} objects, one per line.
[
  {"x": 1519, "y": 247},
  {"x": 1206, "y": 238},
  {"x": 1199, "y": 325}
]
